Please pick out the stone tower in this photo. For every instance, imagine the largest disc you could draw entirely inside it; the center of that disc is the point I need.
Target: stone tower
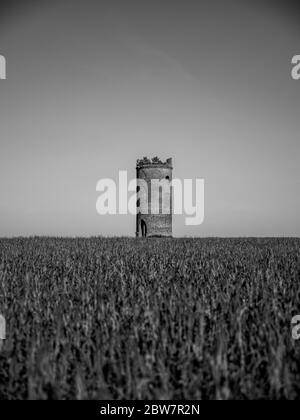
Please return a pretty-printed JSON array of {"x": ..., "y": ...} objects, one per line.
[{"x": 154, "y": 204}]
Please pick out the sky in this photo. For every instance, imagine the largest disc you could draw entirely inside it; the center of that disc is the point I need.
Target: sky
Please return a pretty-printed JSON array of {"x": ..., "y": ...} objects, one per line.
[{"x": 94, "y": 85}]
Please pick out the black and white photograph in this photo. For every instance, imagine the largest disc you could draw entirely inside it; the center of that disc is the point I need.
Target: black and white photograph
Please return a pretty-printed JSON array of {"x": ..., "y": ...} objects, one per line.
[{"x": 149, "y": 203}]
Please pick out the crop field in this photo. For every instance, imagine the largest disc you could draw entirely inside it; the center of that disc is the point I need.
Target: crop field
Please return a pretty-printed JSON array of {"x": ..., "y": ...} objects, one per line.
[{"x": 150, "y": 319}]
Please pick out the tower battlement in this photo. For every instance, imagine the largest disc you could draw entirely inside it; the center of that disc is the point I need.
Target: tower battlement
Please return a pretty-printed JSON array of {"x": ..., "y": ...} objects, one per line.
[{"x": 155, "y": 162}]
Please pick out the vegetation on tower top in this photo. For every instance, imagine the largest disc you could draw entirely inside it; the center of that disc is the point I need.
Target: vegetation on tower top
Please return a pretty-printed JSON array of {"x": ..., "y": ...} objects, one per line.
[{"x": 154, "y": 161}]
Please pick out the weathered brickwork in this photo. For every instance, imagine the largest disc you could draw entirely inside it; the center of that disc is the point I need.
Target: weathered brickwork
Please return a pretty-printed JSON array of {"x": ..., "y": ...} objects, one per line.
[{"x": 157, "y": 221}]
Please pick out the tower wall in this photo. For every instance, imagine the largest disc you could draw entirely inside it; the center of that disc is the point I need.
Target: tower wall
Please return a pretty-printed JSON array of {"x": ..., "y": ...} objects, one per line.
[{"x": 157, "y": 221}]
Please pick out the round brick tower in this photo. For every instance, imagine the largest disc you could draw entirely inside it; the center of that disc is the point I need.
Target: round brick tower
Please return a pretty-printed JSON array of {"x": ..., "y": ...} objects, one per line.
[{"x": 154, "y": 204}]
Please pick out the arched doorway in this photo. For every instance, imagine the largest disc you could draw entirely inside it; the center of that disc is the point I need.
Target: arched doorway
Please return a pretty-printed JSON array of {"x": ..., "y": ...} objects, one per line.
[{"x": 143, "y": 229}]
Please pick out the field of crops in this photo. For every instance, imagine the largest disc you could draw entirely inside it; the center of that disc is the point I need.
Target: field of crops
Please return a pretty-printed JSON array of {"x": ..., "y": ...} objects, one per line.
[{"x": 149, "y": 319}]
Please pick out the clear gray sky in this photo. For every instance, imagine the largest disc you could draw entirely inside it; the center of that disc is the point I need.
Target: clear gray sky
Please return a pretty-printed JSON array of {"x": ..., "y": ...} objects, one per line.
[{"x": 94, "y": 85}]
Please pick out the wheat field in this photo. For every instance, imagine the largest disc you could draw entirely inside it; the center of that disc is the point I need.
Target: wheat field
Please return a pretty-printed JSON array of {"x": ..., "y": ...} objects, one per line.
[{"x": 124, "y": 318}]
